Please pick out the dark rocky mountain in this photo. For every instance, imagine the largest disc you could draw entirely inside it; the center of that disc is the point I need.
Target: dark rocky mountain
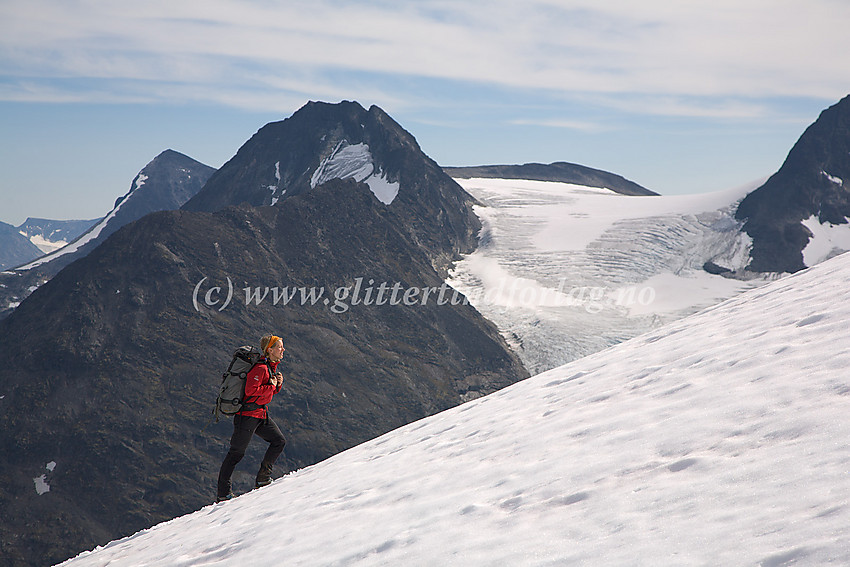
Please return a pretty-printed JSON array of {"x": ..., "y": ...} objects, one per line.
[
  {"x": 15, "y": 248},
  {"x": 112, "y": 367},
  {"x": 324, "y": 141},
  {"x": 56, "y": 233},
  {"x": 166, "y": 183},
  {"x": 814, "y": 181},
  {"x": 559, "y": 171}
]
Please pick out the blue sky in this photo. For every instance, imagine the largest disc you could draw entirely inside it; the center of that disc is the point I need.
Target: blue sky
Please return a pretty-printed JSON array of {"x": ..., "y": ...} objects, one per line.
[{"x": 680, "y": 97}]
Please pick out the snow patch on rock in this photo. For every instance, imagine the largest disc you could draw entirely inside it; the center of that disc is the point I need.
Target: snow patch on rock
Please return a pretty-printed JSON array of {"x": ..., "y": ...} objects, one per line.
[
  {"x": 355, "y": 161},
  {"x": 41, "y": 486},
  {"x": 827, "y": 240},
  {"x": 836, "y": 180}
]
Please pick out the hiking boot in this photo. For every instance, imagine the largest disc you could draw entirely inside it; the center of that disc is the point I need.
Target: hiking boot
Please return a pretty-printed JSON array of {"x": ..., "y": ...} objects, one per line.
[
  {"x": 228, "y": 496},
  {"x": 264, "y": 476}
]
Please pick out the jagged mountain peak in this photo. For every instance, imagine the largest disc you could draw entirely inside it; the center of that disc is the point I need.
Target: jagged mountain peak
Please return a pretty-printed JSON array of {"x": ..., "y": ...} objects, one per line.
[
  {"x": 323, "y": 141},
  {"x": 291, "y": 156},
  {"x": 165, "y": 183},
  {"x": 180, "y": 175},
  {"x": 811, "y": 190}
]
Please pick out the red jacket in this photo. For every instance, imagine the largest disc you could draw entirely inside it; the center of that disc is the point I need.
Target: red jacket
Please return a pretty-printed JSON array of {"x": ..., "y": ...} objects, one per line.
[{"x": 259, "y": 389}]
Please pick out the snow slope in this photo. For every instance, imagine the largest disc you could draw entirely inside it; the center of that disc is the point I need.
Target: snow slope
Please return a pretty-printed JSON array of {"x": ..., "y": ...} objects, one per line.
[
  {"x": 90, "y": 234},
  {"x": 50, "y": 235},
  {"x": 722, "y": 438},
  {"x": 355, "y": 161},
  {"x": 45, "y": 245},
  {"x": 565, "y": 270},
  {"x": 827, "y": 240}
]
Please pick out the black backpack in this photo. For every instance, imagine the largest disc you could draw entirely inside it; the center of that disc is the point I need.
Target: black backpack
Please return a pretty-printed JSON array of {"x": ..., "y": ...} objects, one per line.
[{"x": 231, "y": 395}]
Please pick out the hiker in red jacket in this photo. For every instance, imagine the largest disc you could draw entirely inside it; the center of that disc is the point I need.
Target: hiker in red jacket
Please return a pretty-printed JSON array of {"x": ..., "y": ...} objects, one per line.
[{"x": 261, "y": 384}]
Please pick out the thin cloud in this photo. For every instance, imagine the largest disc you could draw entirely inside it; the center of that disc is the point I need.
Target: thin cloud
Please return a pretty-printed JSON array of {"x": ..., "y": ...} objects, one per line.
[
  {"x": 654, "y": 55},
  {"x": 589, "y": 127},
  {"x": 684, "y": 106}
]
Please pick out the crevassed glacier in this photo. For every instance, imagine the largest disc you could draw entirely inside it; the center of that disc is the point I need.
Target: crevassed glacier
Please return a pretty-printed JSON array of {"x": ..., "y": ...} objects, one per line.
[{"x": 565, "y": 271}]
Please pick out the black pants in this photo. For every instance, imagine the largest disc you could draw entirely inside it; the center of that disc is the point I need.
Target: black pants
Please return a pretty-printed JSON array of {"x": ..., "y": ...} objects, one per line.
[{"x": 244, "y": 428}]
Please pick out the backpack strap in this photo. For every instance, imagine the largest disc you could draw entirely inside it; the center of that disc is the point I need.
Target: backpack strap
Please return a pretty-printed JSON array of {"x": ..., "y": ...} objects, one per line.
[{"x": 249, "y": 405}]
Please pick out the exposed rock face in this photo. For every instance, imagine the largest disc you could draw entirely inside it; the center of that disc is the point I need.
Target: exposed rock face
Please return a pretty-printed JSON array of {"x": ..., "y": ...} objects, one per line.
[
  {"x": 112, "y": 366},
  {"x": 15, "y": 248},
  {"x": 814, "y": 182},
  {"x": 164, "y": 184},
  {"x": 325, "y": 141}
]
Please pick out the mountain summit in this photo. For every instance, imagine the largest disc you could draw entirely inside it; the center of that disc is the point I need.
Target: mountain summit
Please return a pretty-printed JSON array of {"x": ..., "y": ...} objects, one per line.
[
  {"x": 321, "y": 142},
  {"x": 164, "y": 184},
  {"x": 808, "y": 196}
]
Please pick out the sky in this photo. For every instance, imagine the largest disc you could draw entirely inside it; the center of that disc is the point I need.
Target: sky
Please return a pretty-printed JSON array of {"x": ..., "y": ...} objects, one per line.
[{"x": 681, "y": 97}]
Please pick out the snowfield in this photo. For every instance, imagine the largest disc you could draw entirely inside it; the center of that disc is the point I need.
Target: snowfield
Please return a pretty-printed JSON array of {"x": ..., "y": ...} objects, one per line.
[
  {"x": 722, "y": 438},
  {"x": 565, "y": 271},
  {"x": 355, "y": 161}
]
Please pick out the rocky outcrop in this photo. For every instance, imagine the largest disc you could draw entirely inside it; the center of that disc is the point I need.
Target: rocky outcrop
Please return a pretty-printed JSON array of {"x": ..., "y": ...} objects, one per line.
[{"x": 813, "y": 183}]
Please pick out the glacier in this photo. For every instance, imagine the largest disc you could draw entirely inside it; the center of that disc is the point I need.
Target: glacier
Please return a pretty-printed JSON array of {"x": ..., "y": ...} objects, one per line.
[
  {"x": 565, "y": 270},
  {"x": 355, "y": 161},
  {"x": 713, "y": 432}
]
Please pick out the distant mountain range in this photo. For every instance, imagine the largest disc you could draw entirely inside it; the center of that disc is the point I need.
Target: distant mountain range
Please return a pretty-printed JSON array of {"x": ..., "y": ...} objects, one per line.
[
  {"x": 15, "y": 248},
  {"x": 165, "y": 184},
  {"x": 50, "y": 235},
  {"x": 36, "y": 237},
  {"x": 559, "y": 171}
]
